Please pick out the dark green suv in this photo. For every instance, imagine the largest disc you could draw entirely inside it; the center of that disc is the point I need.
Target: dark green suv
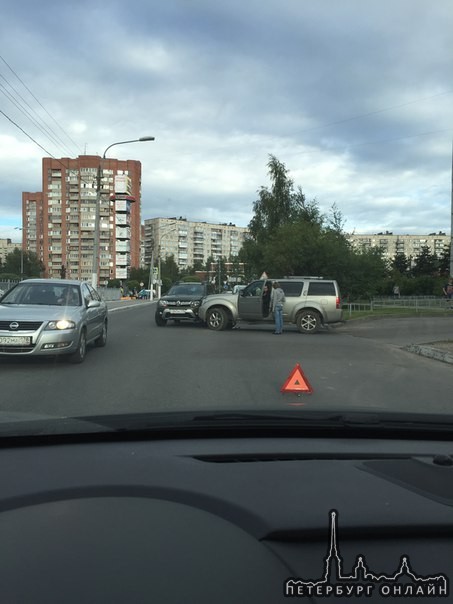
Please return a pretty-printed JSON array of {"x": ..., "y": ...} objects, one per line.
[{"x": 180, "y": 303}]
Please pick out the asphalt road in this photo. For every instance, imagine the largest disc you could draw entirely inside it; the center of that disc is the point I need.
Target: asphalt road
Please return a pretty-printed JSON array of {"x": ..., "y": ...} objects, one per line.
[{"x": 186, "y": 367}]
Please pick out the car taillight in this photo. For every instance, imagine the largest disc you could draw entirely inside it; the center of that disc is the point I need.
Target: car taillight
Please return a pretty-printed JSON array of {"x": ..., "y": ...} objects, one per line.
[{"x": 338, "y": 302}]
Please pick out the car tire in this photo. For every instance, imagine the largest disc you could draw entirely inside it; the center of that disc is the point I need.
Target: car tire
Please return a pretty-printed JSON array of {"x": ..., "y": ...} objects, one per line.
[
  {"x": 79, "y": 355},
  {"x": 159, "y": 321},
  {"x": 308, "y": 321},
  {"x": 101, "y": 341},
  {"x": 217, "y": 319}
]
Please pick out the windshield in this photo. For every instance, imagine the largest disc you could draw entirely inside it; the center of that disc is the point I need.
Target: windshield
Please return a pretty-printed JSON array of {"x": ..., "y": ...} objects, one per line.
[
  {"x": 42, "y": 293},
  {"x": 200, "y": 177},
  {"x": 188, "y": 289}
]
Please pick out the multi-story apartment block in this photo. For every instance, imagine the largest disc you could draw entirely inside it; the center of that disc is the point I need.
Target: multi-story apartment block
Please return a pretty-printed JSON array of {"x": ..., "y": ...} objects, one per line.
[
  {"x": 59, "y": 222},
  {"x": 191, "y": 242},
  {"x": 7, "y": 247},
  {"x": 409, "y": 245}
]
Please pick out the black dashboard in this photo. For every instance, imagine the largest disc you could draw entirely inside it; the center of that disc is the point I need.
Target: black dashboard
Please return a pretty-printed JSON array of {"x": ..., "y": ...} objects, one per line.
[{"x": 226, "y": 520}]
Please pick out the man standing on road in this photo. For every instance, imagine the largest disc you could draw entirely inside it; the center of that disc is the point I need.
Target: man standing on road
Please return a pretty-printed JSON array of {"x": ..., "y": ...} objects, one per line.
[
  {"x": 448, "y": 291},
  {"x": 277, "y": 300}
]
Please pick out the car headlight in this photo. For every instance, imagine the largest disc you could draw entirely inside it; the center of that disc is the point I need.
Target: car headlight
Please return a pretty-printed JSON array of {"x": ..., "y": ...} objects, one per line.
[
  {"x": 195, "y": 304},
  {"x": 62, "y": 324},
  {"x": 163, "y": 303}
]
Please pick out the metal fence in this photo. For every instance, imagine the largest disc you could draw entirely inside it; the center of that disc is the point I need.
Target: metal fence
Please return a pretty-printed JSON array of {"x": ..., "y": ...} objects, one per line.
[
  {"x": 404, "y": 302},
  {"x": 6, "y": 285}
]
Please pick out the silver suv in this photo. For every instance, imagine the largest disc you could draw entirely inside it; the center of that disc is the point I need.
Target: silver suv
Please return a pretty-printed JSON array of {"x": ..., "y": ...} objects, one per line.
[{"x": 310, "y": 303}]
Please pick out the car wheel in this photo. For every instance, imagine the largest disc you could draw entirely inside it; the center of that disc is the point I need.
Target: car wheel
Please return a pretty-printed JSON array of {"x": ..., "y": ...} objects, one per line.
[
  {"x": 102, "y": 339},
  {"x": 308, "y": 321},
  {"x": 79, "y": 355},
  {"x": 159, "y": 321},
  {"x": 217, "y": 319}
]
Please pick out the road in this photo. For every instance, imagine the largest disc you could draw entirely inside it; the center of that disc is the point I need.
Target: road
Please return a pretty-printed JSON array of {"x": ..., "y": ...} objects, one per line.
[{"x": 186, "y": 367}]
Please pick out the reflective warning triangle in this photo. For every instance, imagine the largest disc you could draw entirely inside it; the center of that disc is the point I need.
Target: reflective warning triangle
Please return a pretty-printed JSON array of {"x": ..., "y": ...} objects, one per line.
[
  {"x": 264, "y": 275},
  {"x": 297, "y": 382}
]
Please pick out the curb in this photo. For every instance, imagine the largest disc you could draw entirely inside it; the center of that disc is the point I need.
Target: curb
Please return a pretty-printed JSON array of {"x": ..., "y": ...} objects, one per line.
[{"x": 431, "y": 353}]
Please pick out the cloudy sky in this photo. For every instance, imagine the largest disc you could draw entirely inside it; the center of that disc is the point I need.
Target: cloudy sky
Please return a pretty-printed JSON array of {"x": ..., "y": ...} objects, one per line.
[{"x": 354, "y": 96}]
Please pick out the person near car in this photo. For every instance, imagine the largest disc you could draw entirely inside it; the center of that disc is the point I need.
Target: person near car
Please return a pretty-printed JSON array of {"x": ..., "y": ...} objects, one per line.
[
  {"x": 448, "y": 291},
  {"x": 277, "y": 301}
]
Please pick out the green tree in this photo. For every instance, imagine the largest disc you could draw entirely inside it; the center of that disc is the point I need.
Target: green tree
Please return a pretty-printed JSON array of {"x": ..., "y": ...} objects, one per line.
[
  {"x": 141, "y": 275},
  {"x": 425, "y": 263},
  {"x": 169, "y": 269},
  {"x": 290, "y": 236},
  {"x": 280, "y": 204},
  {"x": 401, "y": 263},
  {"x": 32, "y": 266}
]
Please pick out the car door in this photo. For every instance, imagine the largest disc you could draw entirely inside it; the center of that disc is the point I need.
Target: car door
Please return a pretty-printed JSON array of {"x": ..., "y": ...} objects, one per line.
[
  {"x": 91, "y": 313},
  {"x": 250, "y": 302}
]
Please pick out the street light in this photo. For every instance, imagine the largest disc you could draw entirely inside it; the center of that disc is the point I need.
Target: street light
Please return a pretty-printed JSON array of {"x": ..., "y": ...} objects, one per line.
[
  {"x": 159, "y": 258},
  {"x": 21, "y": 251},
  {"x": 94, "y": 276}
]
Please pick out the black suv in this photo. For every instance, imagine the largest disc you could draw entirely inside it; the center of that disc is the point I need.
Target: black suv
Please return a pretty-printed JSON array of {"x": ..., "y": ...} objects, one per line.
[{"x": 180, "y": 303}]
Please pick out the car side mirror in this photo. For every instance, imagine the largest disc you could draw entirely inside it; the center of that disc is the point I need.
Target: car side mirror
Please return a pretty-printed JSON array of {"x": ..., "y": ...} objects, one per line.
[{"x": 93, "y": 304}]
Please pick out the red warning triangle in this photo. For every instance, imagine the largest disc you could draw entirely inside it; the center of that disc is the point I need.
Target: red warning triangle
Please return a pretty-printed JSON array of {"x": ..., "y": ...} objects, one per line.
[{"x": 297, "y": 382}]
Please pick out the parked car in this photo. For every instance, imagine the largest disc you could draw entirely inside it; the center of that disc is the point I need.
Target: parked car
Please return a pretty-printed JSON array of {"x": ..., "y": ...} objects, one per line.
[
  {"x": 52, "y": 317},
  {"x": 310, "y": 303},
  {"x": 181, "y": 303}
]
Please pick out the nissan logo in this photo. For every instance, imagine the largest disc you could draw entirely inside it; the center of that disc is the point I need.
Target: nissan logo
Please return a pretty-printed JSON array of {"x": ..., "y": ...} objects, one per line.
[{"x": 14, "y": 325}]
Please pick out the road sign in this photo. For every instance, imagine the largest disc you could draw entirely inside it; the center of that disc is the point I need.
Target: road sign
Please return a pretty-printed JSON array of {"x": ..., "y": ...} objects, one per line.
[{"x": 297, "y": 382}]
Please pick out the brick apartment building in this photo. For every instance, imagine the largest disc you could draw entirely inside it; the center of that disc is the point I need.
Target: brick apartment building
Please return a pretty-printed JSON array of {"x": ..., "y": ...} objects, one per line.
[{"x": 58, "y": 222}]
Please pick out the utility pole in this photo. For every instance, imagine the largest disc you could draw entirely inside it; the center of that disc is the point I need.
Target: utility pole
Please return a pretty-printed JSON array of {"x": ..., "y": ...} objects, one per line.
[{"x": 451, "y": 217}]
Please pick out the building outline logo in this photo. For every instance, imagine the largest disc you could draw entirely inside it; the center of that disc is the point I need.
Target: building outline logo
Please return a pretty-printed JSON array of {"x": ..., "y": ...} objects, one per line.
[{"x": 362, "y": 581}]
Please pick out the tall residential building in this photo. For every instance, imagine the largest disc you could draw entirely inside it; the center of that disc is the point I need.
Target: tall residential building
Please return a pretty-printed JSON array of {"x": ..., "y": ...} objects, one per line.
[
  {"x": 191, "y": 242},
  {"x": 7, "y": 247},
  {"x": 59, "y": 223},
  {"x": 409, "y": 245}
]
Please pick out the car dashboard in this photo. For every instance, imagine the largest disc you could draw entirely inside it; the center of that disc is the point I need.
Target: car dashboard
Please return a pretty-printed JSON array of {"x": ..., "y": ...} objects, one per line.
[{"x": 226, "y": 519}]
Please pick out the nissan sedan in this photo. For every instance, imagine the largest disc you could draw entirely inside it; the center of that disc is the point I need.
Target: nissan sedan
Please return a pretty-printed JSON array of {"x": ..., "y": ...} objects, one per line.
[{"x": 52, "y": 317}]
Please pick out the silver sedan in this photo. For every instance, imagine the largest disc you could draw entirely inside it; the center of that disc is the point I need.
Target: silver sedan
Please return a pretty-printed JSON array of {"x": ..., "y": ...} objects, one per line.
[{"x": 52, "y": 317}]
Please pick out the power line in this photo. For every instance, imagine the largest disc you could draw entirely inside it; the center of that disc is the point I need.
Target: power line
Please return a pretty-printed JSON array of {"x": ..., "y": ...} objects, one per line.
[
  {"x": 40, "y": 104},
  {"x": 18, "y": 105},
  {"x": 379, "y": 142},
  {"x": 41, "y": 147},
  {"x": 368, "y": 114}
]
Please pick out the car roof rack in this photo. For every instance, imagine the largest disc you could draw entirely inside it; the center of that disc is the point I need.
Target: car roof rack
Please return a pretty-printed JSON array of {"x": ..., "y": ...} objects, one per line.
[{"x": 301, "y": 277}]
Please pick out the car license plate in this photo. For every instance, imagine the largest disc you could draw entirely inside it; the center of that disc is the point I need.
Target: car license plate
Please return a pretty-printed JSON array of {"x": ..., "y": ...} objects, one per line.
[
  {"x": 178, "y": 311},
  {"x": 15, "y": 340}
]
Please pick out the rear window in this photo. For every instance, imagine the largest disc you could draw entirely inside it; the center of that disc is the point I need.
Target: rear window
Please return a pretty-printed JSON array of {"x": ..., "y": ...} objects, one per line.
[
  {"x": 322, "y": 288},
  {"x": 292, "y": 289}
]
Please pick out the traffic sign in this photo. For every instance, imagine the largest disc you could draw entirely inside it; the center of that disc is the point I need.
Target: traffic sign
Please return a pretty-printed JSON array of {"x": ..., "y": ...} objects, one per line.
[{"x": 297, "y": 382}]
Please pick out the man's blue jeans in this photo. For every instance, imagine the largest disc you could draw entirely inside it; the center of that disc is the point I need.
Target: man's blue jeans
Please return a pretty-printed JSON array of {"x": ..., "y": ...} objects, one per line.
[{"x": 278, "y": 315}]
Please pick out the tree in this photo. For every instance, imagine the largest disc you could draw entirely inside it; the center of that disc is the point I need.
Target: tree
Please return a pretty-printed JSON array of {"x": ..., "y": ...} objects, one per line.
[
  {"x": 169, "y": 269},
  {"x": 32, "y": 266},
  {"x": 280, "y": 204},
  {"x": 141, "y": 275},
  {"x": 401, "y": 263},
  {"x": 426, "y": 263},
  {"x": 290, "y": 236}
]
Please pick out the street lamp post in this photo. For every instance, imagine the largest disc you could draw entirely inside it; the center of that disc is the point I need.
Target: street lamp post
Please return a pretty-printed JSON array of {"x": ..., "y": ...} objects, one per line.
[
  {"x": 159, "y": 259},
  {"x": 21, "y": 229},
  {"x": 94, "y": 276}
]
